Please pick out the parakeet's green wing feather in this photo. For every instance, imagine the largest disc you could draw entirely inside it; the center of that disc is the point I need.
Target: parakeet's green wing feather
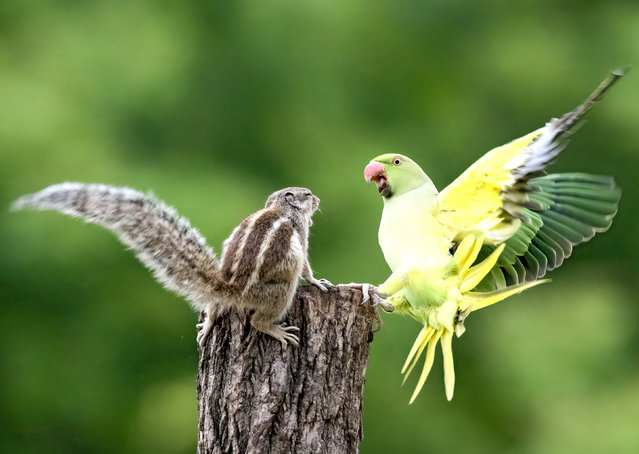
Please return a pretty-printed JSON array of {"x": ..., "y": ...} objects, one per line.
[{"x": 567, "y": 209}]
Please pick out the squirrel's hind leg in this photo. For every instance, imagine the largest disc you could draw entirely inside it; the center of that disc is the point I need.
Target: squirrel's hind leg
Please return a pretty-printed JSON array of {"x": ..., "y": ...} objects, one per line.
[
  {"x": 205, "y": 327},
  {"x": 282, "y": 333}
]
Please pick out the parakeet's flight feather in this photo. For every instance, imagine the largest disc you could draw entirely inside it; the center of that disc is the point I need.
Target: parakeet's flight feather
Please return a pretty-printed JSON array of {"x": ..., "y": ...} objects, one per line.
[{"x": 569, "y": 208}]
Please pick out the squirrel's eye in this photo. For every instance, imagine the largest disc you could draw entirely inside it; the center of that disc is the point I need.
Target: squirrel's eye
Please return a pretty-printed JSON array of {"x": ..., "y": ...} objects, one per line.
[{"x": 397, "y": 161}]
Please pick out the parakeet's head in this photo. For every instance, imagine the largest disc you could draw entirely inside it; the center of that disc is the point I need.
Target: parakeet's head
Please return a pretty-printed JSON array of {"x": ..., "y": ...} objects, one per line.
[{"x": 394, "y": 174}]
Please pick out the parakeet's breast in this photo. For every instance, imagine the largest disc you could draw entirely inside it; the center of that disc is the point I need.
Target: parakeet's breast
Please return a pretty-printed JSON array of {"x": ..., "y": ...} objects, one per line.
[{"x": 408, "y": 232}]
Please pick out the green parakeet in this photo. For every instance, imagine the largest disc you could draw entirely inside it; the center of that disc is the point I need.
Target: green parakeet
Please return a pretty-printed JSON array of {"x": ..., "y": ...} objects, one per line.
[{"x": 492, "y": 233}]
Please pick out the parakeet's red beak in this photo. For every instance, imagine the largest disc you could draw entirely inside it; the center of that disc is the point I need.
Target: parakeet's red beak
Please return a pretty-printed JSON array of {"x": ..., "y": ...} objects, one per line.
[{"x": 375, "y": 171}]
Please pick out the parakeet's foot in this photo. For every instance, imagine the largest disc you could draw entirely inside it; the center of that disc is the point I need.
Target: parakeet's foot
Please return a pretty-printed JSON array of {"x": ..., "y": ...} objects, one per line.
[
  {"x": 388, "y": 307},
  {"x": 459, "y": 320},
  {"x": 203, "y": 330},
  {"x": 370, "y": 293}
]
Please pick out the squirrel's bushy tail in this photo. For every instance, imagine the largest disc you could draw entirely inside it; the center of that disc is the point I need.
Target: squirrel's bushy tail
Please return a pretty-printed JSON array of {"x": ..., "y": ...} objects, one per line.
[{"x": 163, "y": 241}]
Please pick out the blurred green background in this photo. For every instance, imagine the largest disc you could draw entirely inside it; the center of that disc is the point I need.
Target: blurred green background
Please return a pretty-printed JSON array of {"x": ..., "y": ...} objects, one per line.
[{"x": 214, "y": 105}]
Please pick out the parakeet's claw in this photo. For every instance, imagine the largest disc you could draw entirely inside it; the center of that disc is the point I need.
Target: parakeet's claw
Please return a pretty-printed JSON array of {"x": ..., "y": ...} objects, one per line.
[
  {"x": 370, "y": 293},
  {"x": 388, "y": 307},
  {"x": 459, "y": 320},
  {"x": 459, "y": 329},
  {"x": 364, "y": 288}
]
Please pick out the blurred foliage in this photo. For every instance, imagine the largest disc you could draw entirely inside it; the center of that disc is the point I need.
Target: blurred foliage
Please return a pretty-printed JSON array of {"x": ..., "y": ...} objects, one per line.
[{"x": 213, "y": 105}]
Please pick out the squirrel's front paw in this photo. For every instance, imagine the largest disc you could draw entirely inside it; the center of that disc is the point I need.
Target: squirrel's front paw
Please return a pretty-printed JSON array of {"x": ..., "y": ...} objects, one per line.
[{"x": 321, "y": 284}]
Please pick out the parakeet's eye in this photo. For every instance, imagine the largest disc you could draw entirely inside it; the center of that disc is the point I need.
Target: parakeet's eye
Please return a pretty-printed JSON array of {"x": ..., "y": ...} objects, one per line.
[{"x": 397, "y": 161}]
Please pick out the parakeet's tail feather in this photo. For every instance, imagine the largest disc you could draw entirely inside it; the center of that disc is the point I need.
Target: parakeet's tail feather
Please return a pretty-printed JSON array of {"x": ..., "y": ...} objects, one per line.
[
  {"x": 428, "y": 363},
  {"x": 162, "y": 240},
  {"x": 440, "y": 322},
  {"x": 449, "y": 366},
  {"x": 416, "y": 351}
]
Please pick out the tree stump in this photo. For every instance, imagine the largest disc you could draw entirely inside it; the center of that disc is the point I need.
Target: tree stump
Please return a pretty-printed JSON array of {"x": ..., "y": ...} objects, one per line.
[{"x": 254, "y": 397}]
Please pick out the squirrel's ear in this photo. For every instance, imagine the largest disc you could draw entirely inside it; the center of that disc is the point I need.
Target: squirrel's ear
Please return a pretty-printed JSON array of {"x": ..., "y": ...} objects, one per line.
[{"x": 293, "y": 201}]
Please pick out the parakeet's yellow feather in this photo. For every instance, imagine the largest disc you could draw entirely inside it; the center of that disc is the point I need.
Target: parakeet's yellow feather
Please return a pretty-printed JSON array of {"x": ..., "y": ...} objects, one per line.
[
  {"x": 466, "y": 260},
  {"x": 480, "y": 300},
  {"x": 428, "y": 363},
  {"x": 473, "y": 202},
  {"x": 478, "y": 272},
  {"x": 449, "y": 366},
  {"x": 421, "y": 340}
]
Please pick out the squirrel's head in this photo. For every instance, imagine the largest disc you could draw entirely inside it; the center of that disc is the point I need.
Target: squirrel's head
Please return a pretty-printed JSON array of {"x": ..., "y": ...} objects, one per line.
[{"x": 298, "y": 200}]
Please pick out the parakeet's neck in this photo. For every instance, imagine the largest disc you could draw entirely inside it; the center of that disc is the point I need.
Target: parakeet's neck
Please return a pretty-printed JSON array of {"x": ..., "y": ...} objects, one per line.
[{"x": 408, "y": 232}]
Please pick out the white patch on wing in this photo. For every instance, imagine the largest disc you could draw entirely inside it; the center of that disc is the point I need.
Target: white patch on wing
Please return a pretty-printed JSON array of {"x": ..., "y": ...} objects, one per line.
[{"x": 539, "y": 153}]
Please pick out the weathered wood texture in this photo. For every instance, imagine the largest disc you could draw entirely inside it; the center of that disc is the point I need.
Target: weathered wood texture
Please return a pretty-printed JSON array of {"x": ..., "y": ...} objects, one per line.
[{"x": 255, "y": 398}]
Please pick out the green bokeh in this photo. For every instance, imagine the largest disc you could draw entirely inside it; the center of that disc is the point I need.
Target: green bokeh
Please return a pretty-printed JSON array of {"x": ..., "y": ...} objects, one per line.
[{"x": 214, "y": 105}]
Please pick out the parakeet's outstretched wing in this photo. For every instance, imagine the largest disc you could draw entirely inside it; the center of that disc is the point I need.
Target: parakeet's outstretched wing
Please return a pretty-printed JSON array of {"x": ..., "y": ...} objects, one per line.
[
  {"x": 494, "y": 196},
  {"x": 565, "y": 209},
  {"x": 506, "y": 197}
]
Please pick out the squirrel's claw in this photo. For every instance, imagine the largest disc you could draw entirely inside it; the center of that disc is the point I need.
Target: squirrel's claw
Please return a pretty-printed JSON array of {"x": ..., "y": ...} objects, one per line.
[
  {"x": 289, "y": 328},
  {"x": 282, "y": 333},
  {"x": 203, "y": 330},
  {"x": 326, "y": 282},
  {"x": 285, "y": 335},
  {"x": 321, "y": 284}
]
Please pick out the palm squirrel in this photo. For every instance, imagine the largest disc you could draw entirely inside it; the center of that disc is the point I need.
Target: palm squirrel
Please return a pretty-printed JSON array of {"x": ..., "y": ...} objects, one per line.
[{"x": 260, "y": 265}]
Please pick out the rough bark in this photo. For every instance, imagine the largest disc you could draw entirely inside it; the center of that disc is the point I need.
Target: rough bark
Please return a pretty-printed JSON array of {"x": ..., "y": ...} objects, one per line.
[{"x": 253, "y": 397}]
